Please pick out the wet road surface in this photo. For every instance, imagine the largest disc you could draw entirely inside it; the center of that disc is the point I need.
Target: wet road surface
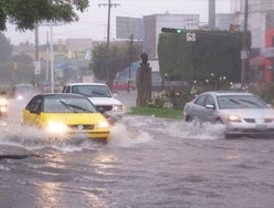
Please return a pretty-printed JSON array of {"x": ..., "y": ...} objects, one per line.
[{"x": 149, "y": 162}]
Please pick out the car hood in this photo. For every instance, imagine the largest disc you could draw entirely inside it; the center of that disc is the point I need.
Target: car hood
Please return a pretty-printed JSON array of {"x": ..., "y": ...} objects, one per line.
[
  {"x": 73, "y": 118},
  {"x": 104, "y": 101},
  {"x": 250, "y": 113}
]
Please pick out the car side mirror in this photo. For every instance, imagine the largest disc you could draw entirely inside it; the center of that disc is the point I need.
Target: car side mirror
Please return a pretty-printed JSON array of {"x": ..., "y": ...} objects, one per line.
[
  {"x": 101, "y": 110},
  {"x": 35, "y": 112}
]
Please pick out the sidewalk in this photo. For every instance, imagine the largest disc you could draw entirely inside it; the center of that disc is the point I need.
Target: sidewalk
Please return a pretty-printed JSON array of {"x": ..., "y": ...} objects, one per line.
[{"x": 127, "y": 98}]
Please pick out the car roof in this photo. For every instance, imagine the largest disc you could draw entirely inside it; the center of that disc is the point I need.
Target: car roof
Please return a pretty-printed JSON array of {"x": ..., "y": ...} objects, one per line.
[
  {"x": 62, "y": 95},
  {"x": 87, "y": 83},
  {"x": 220, "y": 93}
]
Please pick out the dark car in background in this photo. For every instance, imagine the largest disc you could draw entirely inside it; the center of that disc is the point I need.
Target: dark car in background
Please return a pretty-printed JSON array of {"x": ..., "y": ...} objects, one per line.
[{"x": 23, "y": 91}]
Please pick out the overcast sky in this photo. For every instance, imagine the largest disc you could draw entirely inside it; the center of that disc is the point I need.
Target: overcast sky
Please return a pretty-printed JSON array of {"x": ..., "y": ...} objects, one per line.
[{"x": 93, "y": 22}]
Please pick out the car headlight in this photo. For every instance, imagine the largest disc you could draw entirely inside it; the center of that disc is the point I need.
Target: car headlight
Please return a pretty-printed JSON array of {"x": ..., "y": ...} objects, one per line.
[
  {"x": 268, "y": 120},
  {"x": 3, "y": 101},
  {"x": 19, "y": 97},
  {"x": 233, "y": 118},
  {"x": 3, "y": 109},
  {"x": 102, "y": 125},
  {"x": 117, "y": 108},
  {"x": 56, "y": 127}
]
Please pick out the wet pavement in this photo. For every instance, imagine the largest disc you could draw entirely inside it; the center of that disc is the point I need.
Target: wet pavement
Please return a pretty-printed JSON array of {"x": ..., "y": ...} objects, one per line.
[{"x": 148, "y": 163}]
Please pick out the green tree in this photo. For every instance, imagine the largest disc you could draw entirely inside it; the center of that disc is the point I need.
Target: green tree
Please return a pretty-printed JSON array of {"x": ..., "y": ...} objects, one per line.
[
  {"x": 213, "y": 52},
  {"x": 26, "y": 13},
  {"x": 120, "y": 56},
  {"x": 5, "y": 49}
]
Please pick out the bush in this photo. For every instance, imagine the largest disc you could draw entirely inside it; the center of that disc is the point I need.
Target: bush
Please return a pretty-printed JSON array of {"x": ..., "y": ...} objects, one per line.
[
  {"x": 170, "y": 99},
  {"x": 266, "y": 93}
]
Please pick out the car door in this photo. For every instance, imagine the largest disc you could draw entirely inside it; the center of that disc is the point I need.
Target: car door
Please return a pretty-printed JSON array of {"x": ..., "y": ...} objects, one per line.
[
  {"x": 31, "y": 114},
  {"x": 209, "y": 113},
  {"x": 199, "y": 107}
]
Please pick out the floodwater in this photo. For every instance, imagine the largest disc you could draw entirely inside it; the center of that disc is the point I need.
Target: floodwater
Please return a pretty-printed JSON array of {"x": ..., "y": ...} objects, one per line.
[{"x": 148, "y": 163}]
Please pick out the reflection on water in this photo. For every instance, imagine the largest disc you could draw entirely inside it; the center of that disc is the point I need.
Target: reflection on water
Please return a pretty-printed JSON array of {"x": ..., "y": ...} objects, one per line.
[
  {"x": 49, "y": 194},
  {"x": 103, "y": 162}
]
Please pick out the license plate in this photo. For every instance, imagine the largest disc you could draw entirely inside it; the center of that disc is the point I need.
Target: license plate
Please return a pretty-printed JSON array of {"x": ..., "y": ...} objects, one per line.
[{"x": 261, "y": 127}]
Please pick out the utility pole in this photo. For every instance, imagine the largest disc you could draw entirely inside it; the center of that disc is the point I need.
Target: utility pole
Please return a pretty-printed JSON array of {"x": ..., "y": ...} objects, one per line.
[
  {"x": 36, "y": 43},
  {"x": 48, "y": 59},
  {"x": 51, "y": 58},
  {"x": 244, "y": 52},
  {"x": 109, "y": 5},
  {"x": 211, "y": 14},
  {"x": 37, "y": 63},
  {"x": 129, "y": 61}
]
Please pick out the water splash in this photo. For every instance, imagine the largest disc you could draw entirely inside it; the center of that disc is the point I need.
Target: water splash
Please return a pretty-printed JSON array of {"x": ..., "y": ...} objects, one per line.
[
  {"x": 31, "y": 138},
  {"x": 181, "y": 129},
  {"x": 127, "y": 132},
  {"x": 125, "y": 136}
]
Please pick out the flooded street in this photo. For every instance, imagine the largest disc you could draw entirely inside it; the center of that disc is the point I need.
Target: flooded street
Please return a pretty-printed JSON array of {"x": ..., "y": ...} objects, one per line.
[{"x": 149, "y": 162}]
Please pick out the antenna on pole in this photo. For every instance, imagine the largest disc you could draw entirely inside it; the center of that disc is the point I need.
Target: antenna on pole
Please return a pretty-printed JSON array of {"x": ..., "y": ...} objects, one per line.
[{"x": 109, "y": 5}]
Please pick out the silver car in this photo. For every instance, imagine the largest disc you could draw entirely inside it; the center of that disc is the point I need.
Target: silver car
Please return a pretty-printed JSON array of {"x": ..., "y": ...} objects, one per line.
[{"x": 241, "y": 113}]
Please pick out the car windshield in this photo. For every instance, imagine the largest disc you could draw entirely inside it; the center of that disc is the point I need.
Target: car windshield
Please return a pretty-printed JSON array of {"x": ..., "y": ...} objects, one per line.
[
  {"x": 68, "y": 105},
  {"x": 92, "y": 90},
  {"x": 240, "y": 101}
]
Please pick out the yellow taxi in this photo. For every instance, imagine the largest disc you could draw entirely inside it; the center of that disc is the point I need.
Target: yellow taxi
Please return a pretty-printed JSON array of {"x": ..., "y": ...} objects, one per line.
[{"x": 66, "y": 115}]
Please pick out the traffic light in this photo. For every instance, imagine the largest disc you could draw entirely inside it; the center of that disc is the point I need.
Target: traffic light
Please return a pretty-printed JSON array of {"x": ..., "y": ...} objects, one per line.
[{"x": 171, "y": 30}]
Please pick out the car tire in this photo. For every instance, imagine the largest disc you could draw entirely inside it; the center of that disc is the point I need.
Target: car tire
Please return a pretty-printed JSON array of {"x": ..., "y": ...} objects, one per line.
[
  {"x": 231, "y": 136},
  {"x": 188, "y": 118},
  {"x": 219, "y": 121}
]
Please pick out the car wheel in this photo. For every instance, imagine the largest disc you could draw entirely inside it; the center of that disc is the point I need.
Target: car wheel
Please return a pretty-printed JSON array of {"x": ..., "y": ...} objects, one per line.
[
  {"x": 231, "y": 136},
  {"x": 219, "y": 121},
  {"x": 188, "y": 118}
]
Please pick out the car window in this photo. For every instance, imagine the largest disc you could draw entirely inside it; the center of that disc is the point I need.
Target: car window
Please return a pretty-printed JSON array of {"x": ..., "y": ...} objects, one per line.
[
  {"x": 240, "y": 101},
  {"x": 210, "y": 100},
  {"x": 68, "y": 89},
  {"x": 201, "y": 100},
  {"x": 35, "y": 105},
  {"x": 92, "y": 90},
  {"x": 68, "y": 105}
]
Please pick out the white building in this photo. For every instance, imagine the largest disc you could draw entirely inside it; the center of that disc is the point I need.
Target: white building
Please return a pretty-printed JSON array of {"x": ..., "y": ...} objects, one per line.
[
  {"x": 154, "y": 23},
  {"x": 260, "y": 18}
]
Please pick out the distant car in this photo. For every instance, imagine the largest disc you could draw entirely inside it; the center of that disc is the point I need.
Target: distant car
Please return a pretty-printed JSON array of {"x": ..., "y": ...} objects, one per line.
[
  {"x": 3, "y": 106},
  {"x": 241, "y": 113},
  {"x": 123, "y": 86},
  {"x": 23, "y": 90},
  {"x": 66, "y": 114},
  {"x": 99, "y": 94}
]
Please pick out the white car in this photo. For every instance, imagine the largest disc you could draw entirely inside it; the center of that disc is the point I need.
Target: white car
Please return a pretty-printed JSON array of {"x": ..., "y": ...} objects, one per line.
[
  {"x": 100, "y": 96},
  {"x": 241, "y": 113}
]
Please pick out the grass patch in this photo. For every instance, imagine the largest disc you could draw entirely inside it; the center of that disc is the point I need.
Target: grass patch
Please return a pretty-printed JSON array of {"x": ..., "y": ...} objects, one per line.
[{"x": 157, "y": 112}]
